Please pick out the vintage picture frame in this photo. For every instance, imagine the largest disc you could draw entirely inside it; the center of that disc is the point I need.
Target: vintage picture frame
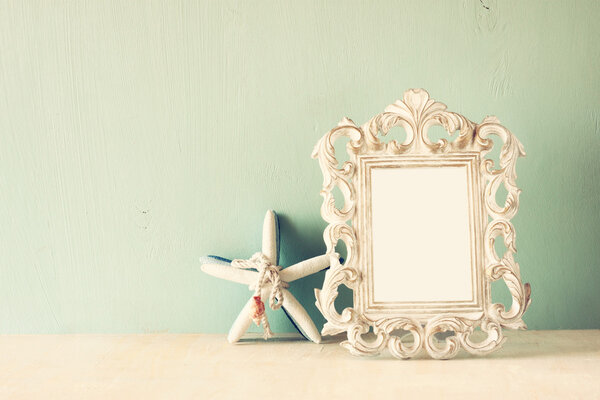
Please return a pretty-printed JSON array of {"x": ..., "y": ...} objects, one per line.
[{"x": 402, "y": 325}]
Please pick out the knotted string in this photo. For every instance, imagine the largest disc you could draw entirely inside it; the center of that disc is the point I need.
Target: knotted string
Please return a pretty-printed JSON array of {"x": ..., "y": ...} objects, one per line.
[{"x": 268, "y": 274}]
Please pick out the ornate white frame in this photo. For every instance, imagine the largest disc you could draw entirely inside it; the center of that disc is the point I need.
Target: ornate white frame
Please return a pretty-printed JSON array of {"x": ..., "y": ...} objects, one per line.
[{"x": 416, "y": 113}]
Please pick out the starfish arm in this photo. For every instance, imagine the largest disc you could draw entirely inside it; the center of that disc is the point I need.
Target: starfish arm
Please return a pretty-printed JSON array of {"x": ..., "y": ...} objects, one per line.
[
  {"x": 300, "y": 317},
  {"x": 304, "y": 268},
  {"x": 270, "y": 238},
  {"x": 227, "y": 272},
  {"x": 241, "y": 323},
  {"x": 243, "y": 320}
]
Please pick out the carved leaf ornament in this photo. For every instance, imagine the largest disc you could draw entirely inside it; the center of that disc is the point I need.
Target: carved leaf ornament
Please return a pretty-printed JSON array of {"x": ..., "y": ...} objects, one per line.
[{"x": 416, "y": 113}]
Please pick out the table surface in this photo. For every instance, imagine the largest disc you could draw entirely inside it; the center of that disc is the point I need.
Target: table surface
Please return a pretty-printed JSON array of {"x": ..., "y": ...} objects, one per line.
[{"x": 531, "y": 364}]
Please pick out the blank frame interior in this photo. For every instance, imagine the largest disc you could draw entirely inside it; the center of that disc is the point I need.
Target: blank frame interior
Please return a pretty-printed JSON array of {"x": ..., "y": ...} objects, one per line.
[{"x": 419, "y": 253}]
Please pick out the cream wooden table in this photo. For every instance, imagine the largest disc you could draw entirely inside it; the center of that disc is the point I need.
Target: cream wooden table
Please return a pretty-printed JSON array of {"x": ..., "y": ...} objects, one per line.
[{"x": 532, "y": 364}]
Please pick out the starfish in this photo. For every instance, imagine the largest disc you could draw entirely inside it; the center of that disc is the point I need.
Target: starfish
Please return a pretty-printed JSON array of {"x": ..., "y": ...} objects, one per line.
[{"x": 263, "y": 274}]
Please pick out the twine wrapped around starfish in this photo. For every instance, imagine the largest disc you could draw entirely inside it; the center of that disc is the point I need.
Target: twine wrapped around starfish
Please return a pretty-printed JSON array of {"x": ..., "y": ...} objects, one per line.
[
  {"x": 267, "y": 279},
  {"x": 268, "y": 274}
]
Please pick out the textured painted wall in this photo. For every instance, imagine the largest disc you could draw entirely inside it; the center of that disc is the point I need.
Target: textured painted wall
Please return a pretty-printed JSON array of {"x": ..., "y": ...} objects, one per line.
[{"x": 136, "y": 136}]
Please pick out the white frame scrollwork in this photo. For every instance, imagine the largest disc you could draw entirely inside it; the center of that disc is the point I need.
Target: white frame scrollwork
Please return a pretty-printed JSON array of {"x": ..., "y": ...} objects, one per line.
[{"x": 416, "y": 113}]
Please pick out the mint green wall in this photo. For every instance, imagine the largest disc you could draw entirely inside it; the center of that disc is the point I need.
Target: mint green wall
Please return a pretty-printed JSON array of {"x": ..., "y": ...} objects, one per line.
[{"x": 136, "y": 136}]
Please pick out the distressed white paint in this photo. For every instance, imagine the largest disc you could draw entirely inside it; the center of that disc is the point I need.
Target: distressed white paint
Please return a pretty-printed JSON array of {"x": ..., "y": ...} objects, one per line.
[{"x": 468, "y": 148}]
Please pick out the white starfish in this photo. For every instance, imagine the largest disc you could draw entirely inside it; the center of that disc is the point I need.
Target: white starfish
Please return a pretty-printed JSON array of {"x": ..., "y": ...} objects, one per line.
[{"x": 222, "y": 268}]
